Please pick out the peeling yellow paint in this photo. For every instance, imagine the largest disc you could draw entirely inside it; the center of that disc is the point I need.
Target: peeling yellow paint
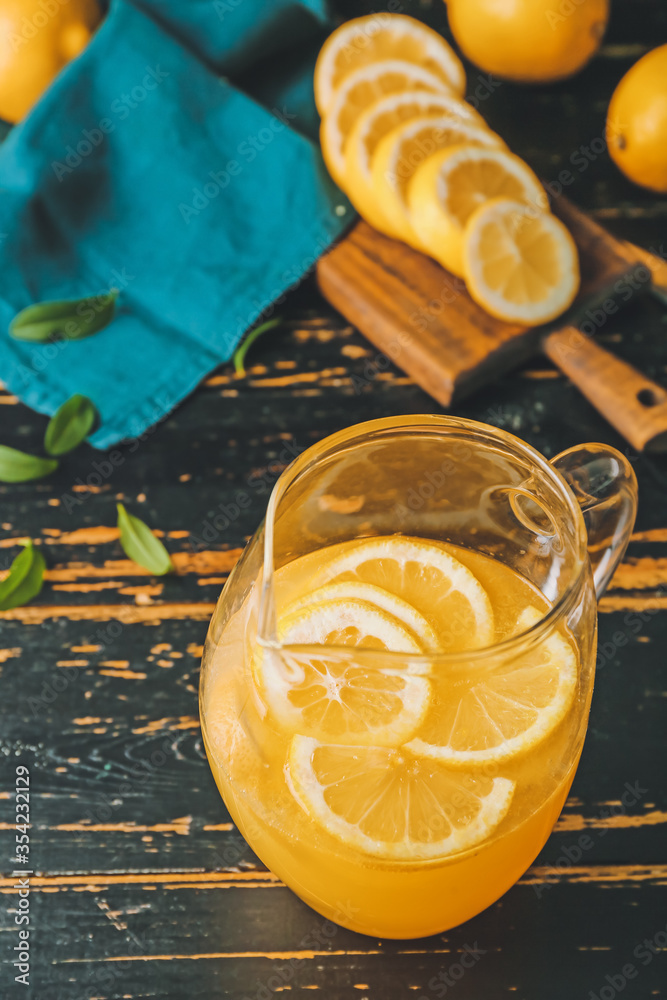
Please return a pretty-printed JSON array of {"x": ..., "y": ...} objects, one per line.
[
  {"x": 640, "y": 574},
  {"x": 596, "y": 873},
  {"x": 652, "y": 535},
  {"x": 621, "y": 602},
  {"x": 540, "y": 374},
  {"x": 354, "y": 351},
  {"x": 181, "y": 826},
  {"x": 98, "y": 535},
  {"x": 143, "y": 591},
  {"x": 93, "y": 882},
  {"x": 201, "y": 563},
  {"x": 168, "y": 723},
  {"x": 129, "y": 675},
  {"x": 620, "y": 822},
  {"x": 126, "y": 613}
]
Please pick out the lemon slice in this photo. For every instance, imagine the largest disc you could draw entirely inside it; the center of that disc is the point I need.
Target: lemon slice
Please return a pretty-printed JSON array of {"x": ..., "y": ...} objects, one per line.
[
  {"x": 400, "y": 152},
  {"x": 392, "y": 804},
  {"x": 365, "y": 40},
  {"x": 519, "y": 265},
  {"x": 499, "y": 714},
  {"x": 340, "y": 696},
  {"x": 351, "y": 622},
  {"x": 448, "y": 186},
  {"x": 374, "y": 123},
  {"x": 408, "y": 616},
  {"x": 425, "y": 575},
  {"x": 357, "y": 92}
]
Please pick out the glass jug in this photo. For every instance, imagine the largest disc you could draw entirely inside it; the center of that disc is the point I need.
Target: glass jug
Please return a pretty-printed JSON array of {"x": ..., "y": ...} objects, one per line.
[{"x": 397, "y": 676}]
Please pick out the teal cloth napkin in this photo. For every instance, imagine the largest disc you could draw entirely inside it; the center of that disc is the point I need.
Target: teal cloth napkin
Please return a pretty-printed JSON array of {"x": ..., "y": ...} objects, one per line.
[{"x": 142, "y": 168}]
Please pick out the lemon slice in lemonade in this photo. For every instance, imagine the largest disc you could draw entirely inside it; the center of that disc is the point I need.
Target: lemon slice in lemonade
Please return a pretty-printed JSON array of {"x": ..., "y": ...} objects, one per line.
[
  {"x": 368, "y": 39},
  {"x": 399, "y": 609},
  {"x": 503, "y": 710},
  {"x": 425, "y": 575},
  {"x": 338, "y": 695},
  {"x": 390, "y": 803}
]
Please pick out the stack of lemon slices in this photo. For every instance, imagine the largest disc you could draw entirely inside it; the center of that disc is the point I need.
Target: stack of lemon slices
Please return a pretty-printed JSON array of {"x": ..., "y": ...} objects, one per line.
[
  {"x": 402, "y": 756},
  {"x": 420, "y": 164}
]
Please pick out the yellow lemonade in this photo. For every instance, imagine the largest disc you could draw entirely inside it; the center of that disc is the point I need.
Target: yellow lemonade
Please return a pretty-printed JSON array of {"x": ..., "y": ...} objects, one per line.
[{"x": 400, "y": 750}]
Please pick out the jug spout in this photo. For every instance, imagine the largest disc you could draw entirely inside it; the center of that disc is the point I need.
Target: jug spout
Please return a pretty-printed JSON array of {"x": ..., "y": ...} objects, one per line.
[{"x": 605, "y": 486}]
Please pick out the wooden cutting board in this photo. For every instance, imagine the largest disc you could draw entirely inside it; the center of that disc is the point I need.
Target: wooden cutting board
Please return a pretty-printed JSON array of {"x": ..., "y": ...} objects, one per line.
[{"x": 421, "y": 316}]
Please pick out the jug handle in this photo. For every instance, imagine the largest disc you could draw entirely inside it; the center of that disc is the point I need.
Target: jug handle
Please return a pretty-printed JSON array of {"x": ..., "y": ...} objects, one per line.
[{"x": 605, "y": 487}]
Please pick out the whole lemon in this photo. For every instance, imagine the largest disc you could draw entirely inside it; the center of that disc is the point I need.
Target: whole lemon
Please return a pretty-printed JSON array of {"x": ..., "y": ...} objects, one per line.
[
  {"x": 637, "y": 122},
  {"x": 532, "y": 41},
  {"x": 38, "y": 38}
]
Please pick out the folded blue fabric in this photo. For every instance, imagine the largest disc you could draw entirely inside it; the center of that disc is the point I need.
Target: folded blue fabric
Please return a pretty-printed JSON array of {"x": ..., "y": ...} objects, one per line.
[{"x": 143, "y": 169}]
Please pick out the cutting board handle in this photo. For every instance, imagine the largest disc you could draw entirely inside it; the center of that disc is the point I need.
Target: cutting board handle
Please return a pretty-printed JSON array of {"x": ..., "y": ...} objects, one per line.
[{"x": 634, "y": 404}]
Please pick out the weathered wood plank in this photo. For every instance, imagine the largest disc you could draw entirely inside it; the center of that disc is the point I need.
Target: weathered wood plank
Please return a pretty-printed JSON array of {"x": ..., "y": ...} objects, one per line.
[{"x": 137, "y": 945}]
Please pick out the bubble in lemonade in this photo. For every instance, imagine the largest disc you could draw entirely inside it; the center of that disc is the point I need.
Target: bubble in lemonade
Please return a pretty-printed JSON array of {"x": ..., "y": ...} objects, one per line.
[{"x": 397, "y": 790}]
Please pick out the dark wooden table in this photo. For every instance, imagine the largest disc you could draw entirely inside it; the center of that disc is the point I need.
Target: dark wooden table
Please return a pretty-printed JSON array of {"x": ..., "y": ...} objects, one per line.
[{"x": 142, "y": 887}]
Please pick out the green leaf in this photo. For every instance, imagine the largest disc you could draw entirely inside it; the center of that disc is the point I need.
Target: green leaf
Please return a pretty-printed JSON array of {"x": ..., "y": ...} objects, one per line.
[
  {"x": 18, "y": 467},
  {"x": 239, "y": 355},
  {"x": 25, "y": 580},
  {"x": 140, "y": 544},
  {"x": 70, "y": 319},
  {"x": 70, "y": 425}
]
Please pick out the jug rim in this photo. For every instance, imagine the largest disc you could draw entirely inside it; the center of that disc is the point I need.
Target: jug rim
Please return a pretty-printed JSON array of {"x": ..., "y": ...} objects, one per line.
[{"x": 429, "y": 423}]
